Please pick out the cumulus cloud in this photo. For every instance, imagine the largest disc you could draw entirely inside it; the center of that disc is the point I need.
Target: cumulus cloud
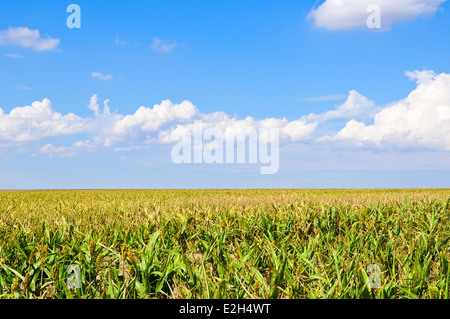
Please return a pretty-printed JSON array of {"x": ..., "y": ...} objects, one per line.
[
  {"x": 299, "y": 130},
  {"x": 93, "y": 104},
  {"x": 101, "y": 76},
  {"x": 157, "y": 124},
  {"x": 151, "y": 119},
  {"x": 353, "y": 14},
  {"x": 27, "y": 38},
  {"x": 37, "y": 122},
  {"x": 422, "y": 120},
  {"x": 231, "y": 127},
  {"x": 355, "y": 107}
]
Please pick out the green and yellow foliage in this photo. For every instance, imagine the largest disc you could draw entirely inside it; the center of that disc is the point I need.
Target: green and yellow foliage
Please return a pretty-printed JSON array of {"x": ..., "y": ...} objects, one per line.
[{"x": 225, "y": 243}]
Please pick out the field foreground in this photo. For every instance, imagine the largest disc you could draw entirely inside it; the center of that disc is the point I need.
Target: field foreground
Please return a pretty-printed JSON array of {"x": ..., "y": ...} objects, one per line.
[{"x": 225, "y": 244}]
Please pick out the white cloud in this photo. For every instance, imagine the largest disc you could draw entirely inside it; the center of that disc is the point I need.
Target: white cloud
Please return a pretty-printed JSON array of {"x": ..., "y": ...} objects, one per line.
[
  {"x": 355, "y": 107},
  {"x": 353, "y": 14},
  {"x": 27, "y": 38},
  {"x": 151, "y": 119},
  {"x": 101, "y": 76},
  {"x": 93, "y": 104},
  {"x": 163, "y": 46},
  {"x": 299, "y": 130},
  {"x": 61, "y": 151},
  {"x": 36, "y": 122},
  {"x": 145, "y": 123},
  {"x": 127, "y": 132},
  {"x": 290, "y": 131},
  {"x": 106, "y": 109},
  {"x": 422, "y": 120}
]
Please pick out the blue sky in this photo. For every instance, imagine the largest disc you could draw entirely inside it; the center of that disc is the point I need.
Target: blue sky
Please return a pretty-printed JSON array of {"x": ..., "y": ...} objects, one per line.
[{"x": 292, "y": 61}]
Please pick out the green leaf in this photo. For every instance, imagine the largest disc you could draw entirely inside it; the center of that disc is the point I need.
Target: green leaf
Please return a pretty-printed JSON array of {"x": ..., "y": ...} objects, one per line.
[
  {"x": 193, "y": 280},
  {"x": 67, "y": 291}
]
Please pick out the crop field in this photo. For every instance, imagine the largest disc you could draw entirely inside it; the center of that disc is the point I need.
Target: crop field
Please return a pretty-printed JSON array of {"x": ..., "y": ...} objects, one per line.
[{"x": 246, "y": 244}]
